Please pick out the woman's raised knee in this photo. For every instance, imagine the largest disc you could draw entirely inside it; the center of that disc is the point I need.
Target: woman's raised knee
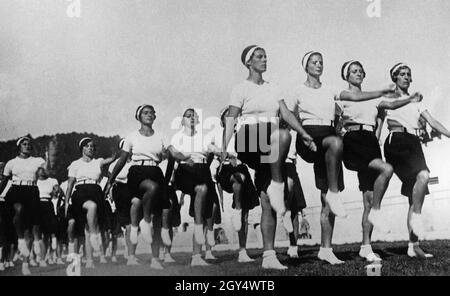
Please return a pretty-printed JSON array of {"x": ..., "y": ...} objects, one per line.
[
  {"x": 90, "y": 205},
  {"x": 423, "y": 177},
  {"x": 201, "y": 189},
  {"x": 149, "y": 186}
]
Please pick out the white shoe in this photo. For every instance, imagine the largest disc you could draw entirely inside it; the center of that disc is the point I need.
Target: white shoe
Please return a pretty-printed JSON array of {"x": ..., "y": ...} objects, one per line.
[
  {"x": 2, "y": 266},
  {"x": 326, "y": 254},
  {"x": 287, "y": 222},
  {"x": 17, "y": 256},
  {"x": 419, "y": 253},
  {"x": 367, "y": 253},
  {"x": 156, "y": 265},
  {"x": 293, "y": 252},
  {"x": 165, "y": 236},
  {"x": 198, "y": 234},
  {"x": 243, "y": 257},
  {"x": 198, "y": 261},
  {"x": 271, "y": 261},
  {"x": 113, "y": 259},
  {"x": 236, "y": 216},
  {"x": 54, "y": 243},
  {"x": 275, "y": 192},
  {"x": 210, "y": 238},
  {"x": 90, "y": 264},
  {"x": 103, "y": 260},
  {"x": 334, "y": 201},
  {"x": 168, "y": 258},
  {"x": 23, "y": 249},
  {"x": 33, "y": 263},
  {"x": 146, "y": 231},
  {"x": 417, "y": 225},
  {"x": 42, "y": 263},
  {"x": 209, "y": 256},
  {"x": 378, "y": 221},
  {"x": 25, "y": 269},
  {"x": 132, "y": 261},
  {"x": 134, "y": 235},
  {"x": 10, "y": 264}
]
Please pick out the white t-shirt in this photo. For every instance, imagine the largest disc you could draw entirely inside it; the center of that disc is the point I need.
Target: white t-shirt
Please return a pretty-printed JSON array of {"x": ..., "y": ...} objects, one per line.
[
  {"x": 122, "y": 175},
  {"x": 23, "y": 169},
  {"x": 46, "y": 187},
  {"x": 359, "y": 112},
  {"x": 82, "y": 170},
  {"x": 195, "y": 145},
  {"x": 144, "y": 148},
  {"x": 313, "y": 103},
  {"x": 408, "y": 116},
  {"x": 259, "y": 103}
]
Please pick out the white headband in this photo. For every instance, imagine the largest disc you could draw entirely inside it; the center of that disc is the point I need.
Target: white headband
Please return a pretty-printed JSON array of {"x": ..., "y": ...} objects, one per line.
[
  {"x": 398, "y": 66},
  {"x": 306, "y": 58},
  {"x": 84, "y": 139},
  {"x": 21, "y": 140},
  {"x": 345, "y": 70},
  {"x": 121, "y": 143},
  {"x": 250, "y": 53}
]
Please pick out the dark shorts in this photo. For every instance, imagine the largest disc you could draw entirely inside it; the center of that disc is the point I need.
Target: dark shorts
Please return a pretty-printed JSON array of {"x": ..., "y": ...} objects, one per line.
[
  {"x": 175, "y": 216},
  {"x": 122, "y": 198},
  {"x": 253, "y": 147},
  {"x": 47, "y": 215},
  {"x": 188, "y": 177},
  {"x": 319, "y": 133},
  {"x": 28, "y": 197},
  {"x": 137, "y": 174},
  {"x": 297, "y": 203},
  {"x": 83, "y": 193},
  {"x": 249, "y": 197},
  {"x": 360, "y": 148},
  {"x": 404, "y": 152}
]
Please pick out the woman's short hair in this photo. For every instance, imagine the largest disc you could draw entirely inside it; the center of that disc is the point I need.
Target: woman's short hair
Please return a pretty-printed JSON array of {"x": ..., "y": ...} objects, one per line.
[
  {"x": 396, "y": 70},
  {"x": 139, "y": 109},
  {"x": 247, "y": 53},
  {"x": 83, "y": 142},
  {"x": 345, "y": 70},
  {"x": 21, "y": 139}
]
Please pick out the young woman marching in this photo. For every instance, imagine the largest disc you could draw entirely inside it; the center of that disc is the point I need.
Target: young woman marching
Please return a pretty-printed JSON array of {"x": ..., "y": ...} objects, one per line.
[
  {"x": 361, "y": 149},
  {"x": 146, "y": 183},
  {"x": 404, "y": 152},
  {"x": 314, "y": 105},
  {"x": 47, "y": 215},
  {"x": 193, "y": 177},
  {"x": 122, "y": 198},
  {"x": 22, "y": 199},
  {"x": 87, "y": 199},
  {"x": 260, "y": 143},
  {"x": 233, "y": 177}
]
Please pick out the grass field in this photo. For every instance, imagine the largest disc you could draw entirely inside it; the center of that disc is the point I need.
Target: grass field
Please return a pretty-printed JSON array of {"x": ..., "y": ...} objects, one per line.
[{"x": 395, "y": 263}]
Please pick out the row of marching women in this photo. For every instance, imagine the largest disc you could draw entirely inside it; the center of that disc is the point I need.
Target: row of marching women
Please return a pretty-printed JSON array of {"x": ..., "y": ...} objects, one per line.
[{"x": 253, "y": 157}]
